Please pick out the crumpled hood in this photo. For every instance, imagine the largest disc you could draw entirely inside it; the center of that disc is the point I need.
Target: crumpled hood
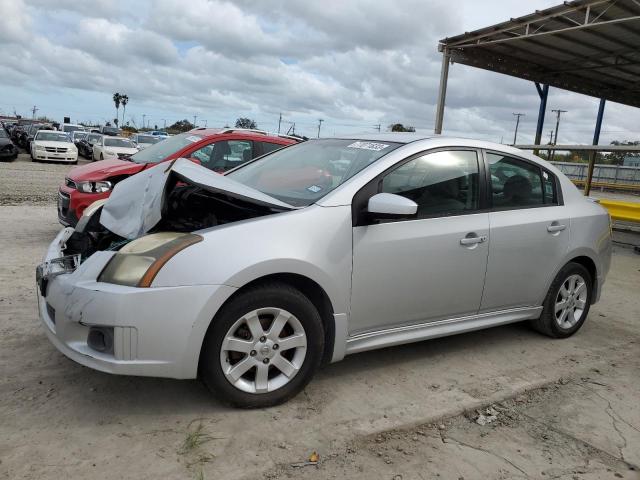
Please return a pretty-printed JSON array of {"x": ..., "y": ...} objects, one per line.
[
  {"x": 104, "y": 169},
  {"x": 135, "y": 205}
]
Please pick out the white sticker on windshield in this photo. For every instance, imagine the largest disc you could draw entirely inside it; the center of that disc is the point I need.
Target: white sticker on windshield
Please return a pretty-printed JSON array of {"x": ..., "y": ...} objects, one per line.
[
  {"x": 376, "y": 147},
  {"x": 314, "y": 188},
  {"x": 193, "y": 138}
]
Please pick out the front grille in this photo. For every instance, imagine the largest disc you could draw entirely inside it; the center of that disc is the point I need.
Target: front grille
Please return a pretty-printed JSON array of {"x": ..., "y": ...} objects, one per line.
[
  {"x": 56, "y": 149},
  {"x": 124, "y": 156},
  {"x": 70, "y": 183}
]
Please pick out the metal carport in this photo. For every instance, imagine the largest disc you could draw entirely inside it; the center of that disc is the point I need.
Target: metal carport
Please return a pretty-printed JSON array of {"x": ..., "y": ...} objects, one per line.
[{"x": 585, "y": 46}]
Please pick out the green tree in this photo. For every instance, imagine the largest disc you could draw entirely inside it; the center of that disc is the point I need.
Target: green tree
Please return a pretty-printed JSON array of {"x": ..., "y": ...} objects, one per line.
[
  {"x": 116, "y": 100},
  {"x": 181, "y": 126},
  {"x": 244, "y": 122},
  {"x": 617, "y": 158},
  {"x": 124, "y": 99},
  {"x": 398, "y": 127}
]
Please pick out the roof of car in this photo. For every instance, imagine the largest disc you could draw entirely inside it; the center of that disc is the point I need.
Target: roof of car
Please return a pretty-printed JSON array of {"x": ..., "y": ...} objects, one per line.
[{"x": 206, "y": 132}]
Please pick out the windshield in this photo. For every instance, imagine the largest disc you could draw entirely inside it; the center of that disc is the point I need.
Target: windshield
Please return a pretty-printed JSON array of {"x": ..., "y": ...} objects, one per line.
[
  {"x": 79, "y": 135},
  {"x": 148, "y": 139},
  {"x": 161, "y": 150},
  {"x": 93, "y": 137},
  {"x": 302, "y": 174},
  {"x": 118, "y": 142},
  {"x": 3, "y": 134},
  {"x": 52, "y": 136}
]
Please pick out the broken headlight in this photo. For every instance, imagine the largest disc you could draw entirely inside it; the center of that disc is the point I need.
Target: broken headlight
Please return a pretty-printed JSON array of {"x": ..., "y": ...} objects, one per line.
[
  {"x": 138, "y": 262},
  {"x": 94, "y": 187}
]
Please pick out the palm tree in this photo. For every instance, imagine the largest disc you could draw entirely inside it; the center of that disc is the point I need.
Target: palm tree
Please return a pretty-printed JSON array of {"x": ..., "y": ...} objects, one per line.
[
  {"x": 116, "y": 99},
  {"x": 124, "y": 99}
]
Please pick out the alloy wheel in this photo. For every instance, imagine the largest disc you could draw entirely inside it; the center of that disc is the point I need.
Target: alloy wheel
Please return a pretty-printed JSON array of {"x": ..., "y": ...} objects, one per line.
[
  {"x": 571, "y": 301},
  {"x": 263, "y": 350}
]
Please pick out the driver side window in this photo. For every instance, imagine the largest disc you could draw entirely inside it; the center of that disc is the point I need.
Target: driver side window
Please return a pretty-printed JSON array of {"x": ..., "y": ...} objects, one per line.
[{"x": 441, "y": 183}]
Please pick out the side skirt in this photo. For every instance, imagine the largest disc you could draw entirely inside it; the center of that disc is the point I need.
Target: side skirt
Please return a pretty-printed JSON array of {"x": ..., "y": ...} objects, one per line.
[{"x": 441, "y": 328}]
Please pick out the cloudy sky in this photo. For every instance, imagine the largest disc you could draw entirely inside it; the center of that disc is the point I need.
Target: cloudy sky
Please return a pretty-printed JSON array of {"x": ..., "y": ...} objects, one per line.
[{"x": 353, "y": 63}]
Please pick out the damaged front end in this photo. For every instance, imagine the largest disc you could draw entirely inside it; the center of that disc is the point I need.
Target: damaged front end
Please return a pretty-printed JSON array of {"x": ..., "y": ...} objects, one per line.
[
  {"x": 94, "y": 297},
  {"x": 181, "y": 198}
]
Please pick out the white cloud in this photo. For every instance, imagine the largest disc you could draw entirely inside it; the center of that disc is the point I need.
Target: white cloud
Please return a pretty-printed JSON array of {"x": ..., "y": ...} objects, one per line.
[{"x": 354, "y": 63}]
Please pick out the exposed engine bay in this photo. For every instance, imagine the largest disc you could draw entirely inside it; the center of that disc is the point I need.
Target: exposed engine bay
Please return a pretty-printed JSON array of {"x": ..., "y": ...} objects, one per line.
[{"x": 186, "y": 207}]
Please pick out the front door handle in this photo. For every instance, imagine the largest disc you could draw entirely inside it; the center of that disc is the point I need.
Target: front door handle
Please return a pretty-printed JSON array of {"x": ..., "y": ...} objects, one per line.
[
  {"x": 555, "y": 227},
  {"x": 473, "y": 239}
]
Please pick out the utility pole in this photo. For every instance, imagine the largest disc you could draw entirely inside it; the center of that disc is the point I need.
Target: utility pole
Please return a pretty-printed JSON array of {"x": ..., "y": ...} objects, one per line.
[
  {"x": 551, "y": 137},
  {"x": 319, "y": 125},
  {"x": 205, "y": 123},
  {"x": 279, "y": 122},
  {"x": 377, "y": 127},
  {"x": 165, "y": 123},
  {"x": 555, "y": 138},
  {"x": 195, "y": 117},
  {"x": 515, "y": 134},
  {"x": 144, "y": 124},
  {"x": 33, "y": 111}
]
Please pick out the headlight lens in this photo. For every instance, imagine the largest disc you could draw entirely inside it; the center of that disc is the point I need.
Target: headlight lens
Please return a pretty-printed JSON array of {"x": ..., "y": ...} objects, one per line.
[
  {"x": 94, "y": 187},
  {"x": 109, "y": 152},
  {"x": 138, "y": 262},
  {"x": 39, "y": 147}
]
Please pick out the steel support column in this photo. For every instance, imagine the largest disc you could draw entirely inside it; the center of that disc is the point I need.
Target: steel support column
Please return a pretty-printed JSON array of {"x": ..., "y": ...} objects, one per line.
[
  {"x": 442, "y": 92},
  {"x": 596, "y": 139},
  {"x": 543, "y": 92}
]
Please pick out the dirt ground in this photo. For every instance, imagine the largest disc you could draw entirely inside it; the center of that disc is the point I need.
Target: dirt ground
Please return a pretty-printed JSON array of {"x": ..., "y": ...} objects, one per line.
[{"x": 564, "y": 409}]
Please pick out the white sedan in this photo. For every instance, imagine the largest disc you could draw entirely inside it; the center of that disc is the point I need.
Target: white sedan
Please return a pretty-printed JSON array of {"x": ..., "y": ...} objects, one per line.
[
  {"x": 113, "y": 147},
  {"x": 54, "y": 146}
]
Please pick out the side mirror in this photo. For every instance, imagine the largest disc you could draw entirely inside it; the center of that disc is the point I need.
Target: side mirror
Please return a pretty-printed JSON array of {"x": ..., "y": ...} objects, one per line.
[{"x": 389, "y": 205}]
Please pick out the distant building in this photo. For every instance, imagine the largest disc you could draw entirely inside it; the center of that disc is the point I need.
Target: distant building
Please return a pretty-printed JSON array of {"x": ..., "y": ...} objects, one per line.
[{"x": 630, "y": 161}]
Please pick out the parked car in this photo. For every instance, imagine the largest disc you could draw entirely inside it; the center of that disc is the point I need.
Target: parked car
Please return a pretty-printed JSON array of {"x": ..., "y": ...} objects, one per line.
[
  {"x": 71, "y": 127},
  {"x": 8, "y": 151},
  {"x": 78, "y": 135},
  {"x": 31, "y": 133},
  {"x": 158, "y": 133},
  {"x": 111, "y": 131},
  {"x": 218, "y": 150},
  {"x": 252, "y": 279},
  {"x": 53, "y": 145},
  {"x": 85, "y": 145},
  {"x": 143, "y": 141},
  {"x": 113, "y": 147}
]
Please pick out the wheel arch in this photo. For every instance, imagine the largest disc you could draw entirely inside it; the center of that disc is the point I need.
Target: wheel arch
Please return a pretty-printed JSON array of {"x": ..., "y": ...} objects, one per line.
[
  {"x": 309, "y": 288},
  {"x": 588, "y": 263}
]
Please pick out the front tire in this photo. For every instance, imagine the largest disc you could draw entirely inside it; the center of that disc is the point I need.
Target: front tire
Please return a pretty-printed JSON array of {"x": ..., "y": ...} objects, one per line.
[
  {"x": 263, "y": 347},
  {"x": 567, "y": 304}
]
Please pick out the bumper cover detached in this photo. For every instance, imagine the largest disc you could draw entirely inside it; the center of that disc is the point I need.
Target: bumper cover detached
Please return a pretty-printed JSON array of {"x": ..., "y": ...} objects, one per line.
[{"x": 156, "y": 331}]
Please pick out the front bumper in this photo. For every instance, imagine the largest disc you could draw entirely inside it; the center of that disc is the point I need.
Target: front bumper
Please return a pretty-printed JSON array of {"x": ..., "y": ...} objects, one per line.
[
  {"x": 156, "y": 331},
  {"x": 9, "y": 153}
]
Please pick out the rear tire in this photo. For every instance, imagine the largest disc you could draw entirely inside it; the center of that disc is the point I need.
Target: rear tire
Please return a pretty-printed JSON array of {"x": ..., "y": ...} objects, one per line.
[
  {"x": 273, "y": 328},
  {"x": 567, "y": 303}
]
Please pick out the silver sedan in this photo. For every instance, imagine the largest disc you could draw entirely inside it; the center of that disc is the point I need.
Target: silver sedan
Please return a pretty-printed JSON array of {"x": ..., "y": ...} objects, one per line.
[{"x": 320, "y": 250}]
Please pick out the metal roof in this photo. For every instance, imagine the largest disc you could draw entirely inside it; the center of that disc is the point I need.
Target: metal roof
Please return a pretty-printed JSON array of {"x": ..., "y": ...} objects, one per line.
[{"x": 585, "y": 46}]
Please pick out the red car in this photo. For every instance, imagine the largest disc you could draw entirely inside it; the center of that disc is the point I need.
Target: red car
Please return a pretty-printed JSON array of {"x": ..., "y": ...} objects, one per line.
[{"x": 219, "y": 150}]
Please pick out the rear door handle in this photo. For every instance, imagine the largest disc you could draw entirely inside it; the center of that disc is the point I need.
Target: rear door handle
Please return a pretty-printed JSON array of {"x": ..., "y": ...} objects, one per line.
[
  {"x": 472, "y": 240},
  {"x": 555, "y": 227}
]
